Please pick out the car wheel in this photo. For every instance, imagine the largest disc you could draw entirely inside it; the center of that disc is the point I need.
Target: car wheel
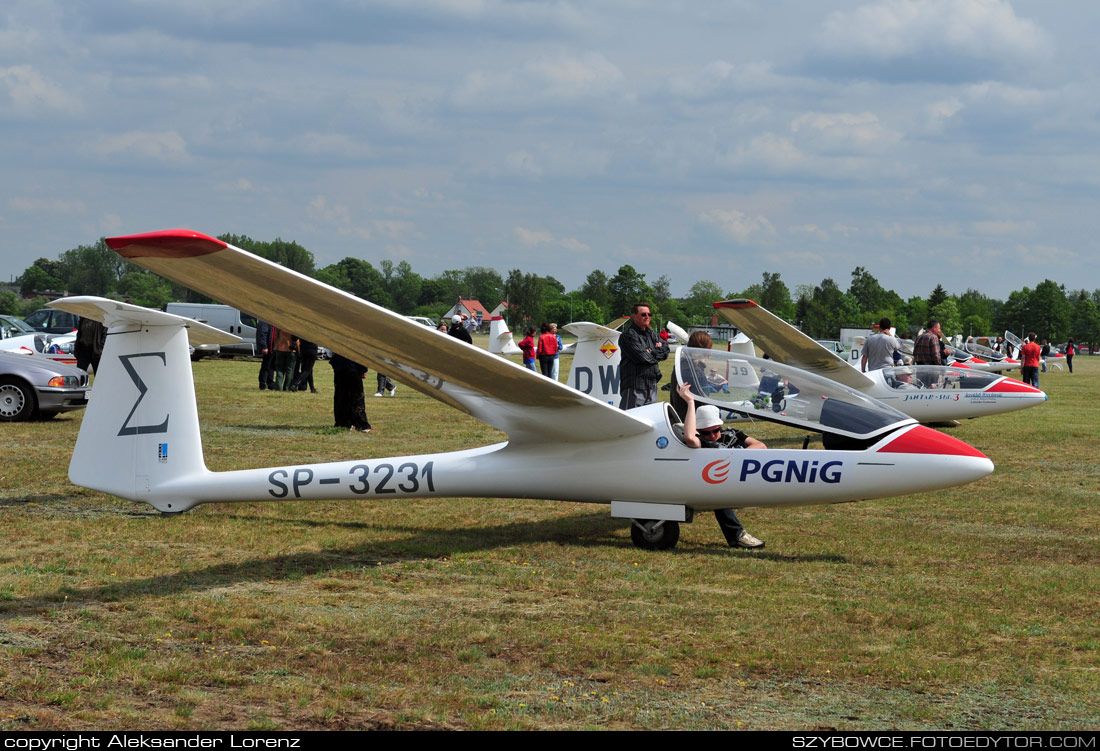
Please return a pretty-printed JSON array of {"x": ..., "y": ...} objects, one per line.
[{"x": 17, "y": 400}]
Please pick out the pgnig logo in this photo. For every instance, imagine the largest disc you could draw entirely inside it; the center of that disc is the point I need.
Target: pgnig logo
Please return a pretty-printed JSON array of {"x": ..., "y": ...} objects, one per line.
[{"x": 776, "y": 470}]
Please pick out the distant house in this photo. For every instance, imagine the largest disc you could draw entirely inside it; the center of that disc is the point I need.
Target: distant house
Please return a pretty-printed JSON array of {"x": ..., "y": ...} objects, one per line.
[
  {"x": 474, "y": 309},
  {"x": 499, "y": 310}
]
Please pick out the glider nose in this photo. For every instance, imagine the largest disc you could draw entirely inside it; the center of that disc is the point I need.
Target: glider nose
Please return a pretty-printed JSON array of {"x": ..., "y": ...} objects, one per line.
[
  {"x": 1018, "y": 389},
  {"x": 956, "y": 461}
]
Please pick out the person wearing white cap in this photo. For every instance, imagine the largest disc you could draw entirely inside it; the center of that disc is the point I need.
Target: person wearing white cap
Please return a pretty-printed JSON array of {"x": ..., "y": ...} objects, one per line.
[
  {"x": 458, "y": 331},
  {"x": 703, "y": 429}
]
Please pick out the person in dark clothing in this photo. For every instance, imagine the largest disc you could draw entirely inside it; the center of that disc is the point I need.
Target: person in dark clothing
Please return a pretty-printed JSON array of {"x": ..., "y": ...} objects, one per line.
[
  {"x": 642, "y": 355},
  {"x": 91, "y": 335},
  {"x": 385, "y": 383},
  {"x": 703, "y": 429},
  {"x": 308, "y": 351},
  {"x": 458, "y": 331},
  {"x": 265, "y": 351},
  {"x": 349, "y": 409}
]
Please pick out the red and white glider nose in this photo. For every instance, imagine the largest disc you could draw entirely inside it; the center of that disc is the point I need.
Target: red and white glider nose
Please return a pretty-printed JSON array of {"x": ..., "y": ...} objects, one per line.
[
  {"x": 924, "y": 440},
  {"x": 1012, "y": 386},
  {"x": 937, "y": 459}
]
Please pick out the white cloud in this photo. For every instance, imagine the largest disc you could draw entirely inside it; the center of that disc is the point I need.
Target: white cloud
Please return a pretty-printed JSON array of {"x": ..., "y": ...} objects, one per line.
[
  {"x": 28, "y": 205},
  {"x": 546, "y": 80},
  {"x": 738, "y": 226},
  {"x": 28, "y": 93},
  {"x": 812, "y": 230},
  {"x": 320, "y": 210},
  {"x": 933, "y": 38},
  {"x": 1006, "y": 227},
  {"x": 536, "y": 238},
  {"x": 858, "y": 133},
  {"x": 164, "y": 147}
]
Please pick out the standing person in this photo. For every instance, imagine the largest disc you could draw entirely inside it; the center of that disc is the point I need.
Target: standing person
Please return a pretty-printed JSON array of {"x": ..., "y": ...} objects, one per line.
[
  {"x": 1071, "y": 350},
  {"x": 308, "y": 351},
  {"x": 880, "y": 349},
  {"x": 554, "y": 372},
  {"x": 267, "y": 355},
  {"x": 91, "y": 335},
  {"x": 703, "y": 429},
  {"x": 349, "y": 409},
  {"x": 283, "y": 345},
  {"x": 385, "y": 383},
  {"x": 1030, "y": 354},
  {"x": 458, "y": 331},
  {"x": 547, "y": 350},
  {"x": 927, "y": 350},
  {"x": 642, "y": 355},
  {"x": 527, "y": 346},
  {"x": 1045, "y": 352}
]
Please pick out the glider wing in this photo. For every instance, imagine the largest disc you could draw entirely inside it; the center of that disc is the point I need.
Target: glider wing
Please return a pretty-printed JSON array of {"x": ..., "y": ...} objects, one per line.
[
  {"x": 786, "y": 344},
  {"x": 526, "y": 406}
]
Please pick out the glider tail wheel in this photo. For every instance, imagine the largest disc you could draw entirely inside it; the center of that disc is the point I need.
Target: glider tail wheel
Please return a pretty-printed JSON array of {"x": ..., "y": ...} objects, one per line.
[{"x": 649, "y": 534}]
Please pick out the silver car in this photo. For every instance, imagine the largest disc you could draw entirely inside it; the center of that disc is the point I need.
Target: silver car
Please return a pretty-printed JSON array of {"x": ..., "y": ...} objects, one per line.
[{"x": 32, "y": 385}]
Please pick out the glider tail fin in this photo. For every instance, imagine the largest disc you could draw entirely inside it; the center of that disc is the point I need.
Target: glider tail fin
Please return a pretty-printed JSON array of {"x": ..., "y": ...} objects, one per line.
[
  {"x": 596, "y": 358},
  {"x": 141, "y": 429}
]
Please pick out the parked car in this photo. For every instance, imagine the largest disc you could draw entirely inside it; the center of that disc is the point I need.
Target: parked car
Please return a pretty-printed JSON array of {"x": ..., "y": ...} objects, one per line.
[
  {"x": 52, "y": 321},
  {"x": 17, "y": 336},
  {"x": 31, "y": 385}
]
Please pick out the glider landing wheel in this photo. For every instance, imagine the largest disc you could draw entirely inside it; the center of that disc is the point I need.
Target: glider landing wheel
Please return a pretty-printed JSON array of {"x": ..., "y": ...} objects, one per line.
[{"x": 649, "y": 534}]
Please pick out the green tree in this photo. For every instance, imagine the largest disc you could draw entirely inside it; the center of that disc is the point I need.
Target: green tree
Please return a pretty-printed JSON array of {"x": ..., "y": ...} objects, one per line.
[
  {"x": 285, "y": 253},
  {"x": 358, "y": 277},
  {"x": 524, "y": 294},
  {"x": 627, "y": 287},
  {"x": 776, "y": 297},
  {"x": 36, "y": 279},
  {"x": 596, "y": 289},
  {"x": 1049, "y": 312},
  {"x": 1085, "y": 325},
  {"x": 869, "y": 295},
  {"x": 146, "y": 289},
  {"x": 938, "y": 295},
  {"x": 698, "y": 306},
  {"x": 403, "y": 285},
  {"x": 947, "y": 313}
]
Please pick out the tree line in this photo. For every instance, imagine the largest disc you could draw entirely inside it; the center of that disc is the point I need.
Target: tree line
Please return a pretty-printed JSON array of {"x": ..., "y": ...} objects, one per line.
[{"x": 1050, "y": 310}]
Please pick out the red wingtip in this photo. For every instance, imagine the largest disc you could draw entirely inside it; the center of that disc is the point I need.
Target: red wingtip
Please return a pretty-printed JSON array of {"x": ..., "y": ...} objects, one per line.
[
  {"x": 924, "y": 440},
  {"x": 168, "y": 243},
  {"x": 739, "y": 303}
]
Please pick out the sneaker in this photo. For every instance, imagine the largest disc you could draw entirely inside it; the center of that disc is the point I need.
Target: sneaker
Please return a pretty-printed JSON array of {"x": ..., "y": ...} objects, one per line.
[
  {"x": 393, "y": 391},
  {"x": 748, "y": 541},
  {"x": 263, "y": 387},
  {"x": 379, "y": 394}
]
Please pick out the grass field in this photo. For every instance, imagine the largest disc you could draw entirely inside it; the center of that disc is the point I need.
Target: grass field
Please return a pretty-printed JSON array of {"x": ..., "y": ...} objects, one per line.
[{"x": 973, "y": 608}]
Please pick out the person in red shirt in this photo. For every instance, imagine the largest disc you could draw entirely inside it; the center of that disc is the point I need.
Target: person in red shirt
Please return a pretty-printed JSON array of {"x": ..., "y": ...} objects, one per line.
[
  {"x": 548, "y": 350},
  {"x": 1030, "y": 355}
]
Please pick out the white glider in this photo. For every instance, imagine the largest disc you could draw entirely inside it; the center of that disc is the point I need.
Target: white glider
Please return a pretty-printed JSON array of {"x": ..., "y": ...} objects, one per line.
[
  {"x": 140, "y": 436},
  {"x": 928, "y": 393}
]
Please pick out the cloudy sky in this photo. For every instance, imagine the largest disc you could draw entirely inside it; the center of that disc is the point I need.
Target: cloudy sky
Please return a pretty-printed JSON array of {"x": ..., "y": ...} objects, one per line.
[{"x": 950, "y": 142}]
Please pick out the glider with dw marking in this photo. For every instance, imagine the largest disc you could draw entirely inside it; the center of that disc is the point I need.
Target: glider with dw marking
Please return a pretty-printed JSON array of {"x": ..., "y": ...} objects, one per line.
[{"x": 140, "y": 436}]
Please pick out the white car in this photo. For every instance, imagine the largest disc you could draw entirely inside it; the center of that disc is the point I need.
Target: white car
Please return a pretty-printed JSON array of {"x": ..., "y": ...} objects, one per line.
[{"x": 18, "y": 336}]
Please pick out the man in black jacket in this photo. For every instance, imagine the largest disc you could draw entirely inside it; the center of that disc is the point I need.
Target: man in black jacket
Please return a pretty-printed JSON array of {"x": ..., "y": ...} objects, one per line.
[{"x": 642, "y": 355}]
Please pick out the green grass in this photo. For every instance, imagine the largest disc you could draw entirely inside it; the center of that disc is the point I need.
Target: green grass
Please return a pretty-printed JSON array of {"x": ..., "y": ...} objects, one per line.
[{"x": 969, "y": 608}]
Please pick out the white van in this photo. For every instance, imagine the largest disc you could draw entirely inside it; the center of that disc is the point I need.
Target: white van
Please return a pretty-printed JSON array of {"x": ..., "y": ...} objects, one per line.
[{"x": 221, "y": 317}]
